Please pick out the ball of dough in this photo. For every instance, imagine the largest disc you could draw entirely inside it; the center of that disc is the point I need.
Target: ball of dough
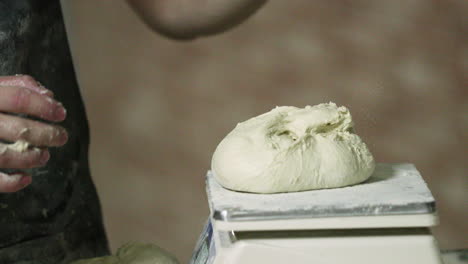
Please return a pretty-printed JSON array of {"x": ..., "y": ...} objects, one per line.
[
  {"x": 135, "y": 253},
  {"x": 144, "y": 253},
  {"x": 100, "y": 260},
  {"x": 292, "y": 149}
]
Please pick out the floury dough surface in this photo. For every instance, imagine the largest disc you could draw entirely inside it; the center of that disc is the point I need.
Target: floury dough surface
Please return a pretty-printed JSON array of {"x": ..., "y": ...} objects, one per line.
[
  {"x": 135, "y": 253},
  {"x": 293, "y": 149}
]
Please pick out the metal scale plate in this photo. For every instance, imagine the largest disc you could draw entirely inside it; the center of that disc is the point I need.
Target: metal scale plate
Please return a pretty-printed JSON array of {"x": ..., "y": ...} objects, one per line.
[
  {"x": 394, "y": 196},
  {"x": 393, "y": 209}
]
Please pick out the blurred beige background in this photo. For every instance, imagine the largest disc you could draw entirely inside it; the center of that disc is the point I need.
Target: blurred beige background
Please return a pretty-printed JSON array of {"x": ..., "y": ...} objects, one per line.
[{"x": 158, "y": 108}]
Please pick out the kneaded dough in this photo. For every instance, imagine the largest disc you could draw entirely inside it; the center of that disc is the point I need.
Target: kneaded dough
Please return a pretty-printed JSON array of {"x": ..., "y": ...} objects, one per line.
[
  {"x": 135, "y": 253},
  {"x": 100, "y": 260},
  {"x": 292, "y": 149},
  {"x": 141, "y": 253}
]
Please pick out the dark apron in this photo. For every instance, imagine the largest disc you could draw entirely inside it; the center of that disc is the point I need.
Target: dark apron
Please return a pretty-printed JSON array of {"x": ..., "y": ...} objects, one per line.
[{"x": 58, "y": 217}]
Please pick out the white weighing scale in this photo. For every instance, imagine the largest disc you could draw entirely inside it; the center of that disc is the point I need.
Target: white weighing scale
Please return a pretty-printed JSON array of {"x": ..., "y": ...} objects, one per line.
[{"x": 384, "y": 220}]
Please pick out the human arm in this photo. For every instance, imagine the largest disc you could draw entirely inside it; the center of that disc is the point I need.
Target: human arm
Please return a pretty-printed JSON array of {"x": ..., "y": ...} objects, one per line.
[
  {"x": 188, "y": 19},
  {"x": 22, "y": 97}
]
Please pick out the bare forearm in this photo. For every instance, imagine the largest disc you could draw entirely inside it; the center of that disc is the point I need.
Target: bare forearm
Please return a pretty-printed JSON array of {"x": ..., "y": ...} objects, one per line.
[{"x": 186, "y": 19}]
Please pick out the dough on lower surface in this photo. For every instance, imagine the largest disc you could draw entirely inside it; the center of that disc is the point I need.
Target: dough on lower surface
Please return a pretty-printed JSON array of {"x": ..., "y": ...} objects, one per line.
[
  {"x": 141, "y": 253},
  {"x": 135, "y": 253},
  {"x": 293, "y": 149},
  {"x": 101, "y": 260}
]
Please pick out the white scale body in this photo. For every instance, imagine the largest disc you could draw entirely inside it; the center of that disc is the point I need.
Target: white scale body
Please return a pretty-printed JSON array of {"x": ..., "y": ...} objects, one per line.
[{"x": 384, "y": 220}]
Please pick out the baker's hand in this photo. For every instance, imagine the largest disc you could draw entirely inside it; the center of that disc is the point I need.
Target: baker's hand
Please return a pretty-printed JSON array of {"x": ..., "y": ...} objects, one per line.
[{"x": 23, "y": 96}]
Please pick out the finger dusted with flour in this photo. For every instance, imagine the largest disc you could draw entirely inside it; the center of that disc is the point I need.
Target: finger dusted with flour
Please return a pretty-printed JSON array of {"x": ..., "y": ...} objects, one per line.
[
  {"x": 293, "y": 149},
  {"x": 14, "y": 182},
  {"x": 22, "y": 98}
]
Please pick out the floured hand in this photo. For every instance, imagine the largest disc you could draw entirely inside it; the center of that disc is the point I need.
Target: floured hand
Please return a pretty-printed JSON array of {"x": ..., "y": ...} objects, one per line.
[{"x": 25, "y": 142}]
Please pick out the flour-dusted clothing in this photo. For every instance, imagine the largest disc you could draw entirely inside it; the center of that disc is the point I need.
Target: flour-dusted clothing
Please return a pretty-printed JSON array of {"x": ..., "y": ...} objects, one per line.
[{"x": 58, "y": 217}]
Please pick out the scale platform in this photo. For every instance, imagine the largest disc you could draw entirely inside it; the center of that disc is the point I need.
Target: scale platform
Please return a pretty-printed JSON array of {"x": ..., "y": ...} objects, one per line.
[{"x": 383, "y": 220}]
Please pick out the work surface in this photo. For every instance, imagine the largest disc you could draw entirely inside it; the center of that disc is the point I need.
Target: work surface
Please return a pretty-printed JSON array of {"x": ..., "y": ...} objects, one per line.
[{"x": 393, "y": 189}]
